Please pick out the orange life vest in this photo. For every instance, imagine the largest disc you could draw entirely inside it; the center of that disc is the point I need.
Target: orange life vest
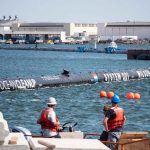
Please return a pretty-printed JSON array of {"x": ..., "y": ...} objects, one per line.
[
  {"x": 118, "y": 121},
  {"x": 47, "y": 124}
]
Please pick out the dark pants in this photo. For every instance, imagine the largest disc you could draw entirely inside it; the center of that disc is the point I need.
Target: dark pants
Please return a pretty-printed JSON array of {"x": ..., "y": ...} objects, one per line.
[{"x": 104, "y": 136}]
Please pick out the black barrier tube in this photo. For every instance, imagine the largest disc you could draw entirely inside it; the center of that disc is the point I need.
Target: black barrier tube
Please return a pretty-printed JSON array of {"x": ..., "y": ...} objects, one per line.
[{"x": 69, "y": 79}]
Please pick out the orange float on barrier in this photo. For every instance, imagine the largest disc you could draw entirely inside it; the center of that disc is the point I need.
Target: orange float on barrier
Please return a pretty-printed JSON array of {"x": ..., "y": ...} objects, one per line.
[
  {"x": 130, "y": 95},
  {"x": 102, "y": 94},
  {"x": 110, "y": 94},
  {"x": 137, "y": 96}
]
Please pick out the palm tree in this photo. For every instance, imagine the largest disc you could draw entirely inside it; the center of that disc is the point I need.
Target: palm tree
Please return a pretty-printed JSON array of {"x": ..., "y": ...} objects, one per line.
[
  {"x": 16, "y": 17},
  {"x": 4, "y": 17},
  {"x": 9, "y": 17}
]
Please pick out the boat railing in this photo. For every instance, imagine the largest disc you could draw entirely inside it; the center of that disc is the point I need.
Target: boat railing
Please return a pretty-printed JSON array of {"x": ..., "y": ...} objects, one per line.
[{"x": 120, "y": 145}]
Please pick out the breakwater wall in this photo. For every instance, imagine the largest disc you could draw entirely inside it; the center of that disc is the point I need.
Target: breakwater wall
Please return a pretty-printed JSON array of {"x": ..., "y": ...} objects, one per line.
[
  {"x": 139, "y": 54},
  {"x": 78, "y": 49},
  {"x": 66, "y": 78}
]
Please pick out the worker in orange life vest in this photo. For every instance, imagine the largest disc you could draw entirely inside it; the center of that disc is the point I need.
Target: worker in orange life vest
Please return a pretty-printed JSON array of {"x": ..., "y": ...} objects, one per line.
[
  {"x": 48, "y": 120},
  {"x": 114, "y": 126}
]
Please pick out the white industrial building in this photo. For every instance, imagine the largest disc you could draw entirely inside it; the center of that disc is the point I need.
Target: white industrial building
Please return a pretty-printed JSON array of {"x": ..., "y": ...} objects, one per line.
[
  {"x": 30, "y": 31},
  {"x": 77, "y": 28},
  {"x": 119, "y": 30}
]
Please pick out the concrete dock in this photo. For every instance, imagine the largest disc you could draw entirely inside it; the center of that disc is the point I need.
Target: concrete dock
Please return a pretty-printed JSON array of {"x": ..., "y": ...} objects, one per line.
[{"x": 68, "y": 144}]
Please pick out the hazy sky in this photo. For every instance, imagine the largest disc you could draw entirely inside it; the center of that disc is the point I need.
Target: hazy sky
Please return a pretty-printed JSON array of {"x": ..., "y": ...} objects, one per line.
[{"x": 76, "y": 10}]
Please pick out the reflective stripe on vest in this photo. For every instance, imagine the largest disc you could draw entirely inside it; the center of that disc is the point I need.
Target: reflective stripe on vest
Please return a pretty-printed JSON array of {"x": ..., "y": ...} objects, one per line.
[
  {"x": 118, "y": 121},
  {"x": 47, "y": 124}
]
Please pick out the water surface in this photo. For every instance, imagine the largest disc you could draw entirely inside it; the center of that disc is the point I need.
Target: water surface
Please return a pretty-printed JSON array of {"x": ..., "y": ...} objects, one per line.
[{"x": 79, "y": 103}]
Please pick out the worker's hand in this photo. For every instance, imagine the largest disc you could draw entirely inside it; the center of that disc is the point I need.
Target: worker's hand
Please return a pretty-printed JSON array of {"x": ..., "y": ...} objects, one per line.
[
  {"x": 60, "y": 129},
  {"x": 107, "y": 130}
]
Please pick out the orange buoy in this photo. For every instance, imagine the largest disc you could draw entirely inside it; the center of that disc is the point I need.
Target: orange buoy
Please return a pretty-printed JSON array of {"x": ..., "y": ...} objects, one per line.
[
  {"x": 137, "y": 96},
  {"x": 102, "y": 94},
  {"x": 130, "y": 95},
  {"x": 110, "y": 94}
]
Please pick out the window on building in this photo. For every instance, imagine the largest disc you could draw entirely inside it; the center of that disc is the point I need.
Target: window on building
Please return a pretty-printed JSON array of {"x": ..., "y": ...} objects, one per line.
[
  {"x": 84, "y": 25},
  {"x": 92, "y": 25},
  {"x": 77, "y": 25}
]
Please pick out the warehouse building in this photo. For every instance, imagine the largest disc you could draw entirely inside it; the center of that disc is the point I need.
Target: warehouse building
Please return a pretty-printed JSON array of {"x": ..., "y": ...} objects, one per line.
[
  {"x": 119, "y": 30},
  {"x": 44, "y": 31}
]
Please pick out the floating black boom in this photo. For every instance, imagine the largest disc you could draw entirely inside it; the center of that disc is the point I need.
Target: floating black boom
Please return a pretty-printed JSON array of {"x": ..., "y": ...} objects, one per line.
[{"x": 67, "y": 78}]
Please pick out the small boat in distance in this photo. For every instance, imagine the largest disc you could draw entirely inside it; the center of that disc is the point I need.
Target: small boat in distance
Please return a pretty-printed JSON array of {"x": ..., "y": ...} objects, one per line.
[
  {"x": 89, "y": 48},
  {"x": 113, "y": 48}
]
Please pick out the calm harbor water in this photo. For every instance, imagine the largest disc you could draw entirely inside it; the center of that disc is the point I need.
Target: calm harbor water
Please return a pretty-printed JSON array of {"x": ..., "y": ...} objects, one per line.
[{"x": 75, "y": 103}]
